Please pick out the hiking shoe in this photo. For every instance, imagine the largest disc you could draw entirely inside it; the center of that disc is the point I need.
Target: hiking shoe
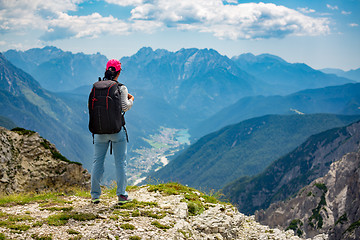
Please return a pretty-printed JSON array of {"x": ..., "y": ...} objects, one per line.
[
  {"x": 123, "y": 199},
  {"x": 95, "y": 201}
]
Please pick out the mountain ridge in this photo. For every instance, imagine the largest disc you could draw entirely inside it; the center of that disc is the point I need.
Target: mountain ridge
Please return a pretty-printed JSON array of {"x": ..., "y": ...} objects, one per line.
[
  {"x": 343, "y": 99},
  {"x": 288, "y": 174}
]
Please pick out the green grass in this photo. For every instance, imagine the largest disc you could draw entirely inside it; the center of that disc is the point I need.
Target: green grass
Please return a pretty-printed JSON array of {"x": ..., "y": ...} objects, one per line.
[
  {"x": 195, "y": 208},
  {"x": 61, "y": 219},
  {"x": 19, "y": 218},
  {"x": 2, "y": 236},
  {"x": 64, "y": 209},
  {"x": 71, "y": 231},
  {"x": 159, "y": 225},
  {"x": 12, "y": 221},
  {"x": 134, "y": 204},
  {"x": 196, "y": 201},
  {"x": 127, "y": 226},
  {"x": 122, "y": 213},
  {"x": 41, "y": 237},
  {"x": 135, "y": 213},
  {"x": 186, "y": 234},
  {"x": 134, "y": 238},
  {"x": 159, "y": 215},
  {"x": 23, "y": 198},
  {"x": 45, "y": 198},
  {"x": 18, "y": 227}
]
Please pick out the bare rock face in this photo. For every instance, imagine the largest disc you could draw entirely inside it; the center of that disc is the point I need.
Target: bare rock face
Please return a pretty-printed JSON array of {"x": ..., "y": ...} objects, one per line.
[
  {"x": 330, "y": 204},
  {"x": 29, "y": 162}
]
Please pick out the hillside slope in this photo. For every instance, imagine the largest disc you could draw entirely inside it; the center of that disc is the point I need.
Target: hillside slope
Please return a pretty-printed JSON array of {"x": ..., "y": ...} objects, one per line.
[
  {"x": 246, "y": 148},
  {"x": 330, "y": 204},
  {"x": 287, "y": 175}
]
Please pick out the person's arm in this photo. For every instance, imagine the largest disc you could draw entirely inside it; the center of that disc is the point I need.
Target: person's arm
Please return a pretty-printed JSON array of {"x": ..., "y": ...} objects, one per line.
[{"x": 127, "y": 100}]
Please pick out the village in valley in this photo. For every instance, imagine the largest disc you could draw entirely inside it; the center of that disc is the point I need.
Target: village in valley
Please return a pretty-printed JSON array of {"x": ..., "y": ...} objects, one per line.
[{"x": 164, "y": 145}]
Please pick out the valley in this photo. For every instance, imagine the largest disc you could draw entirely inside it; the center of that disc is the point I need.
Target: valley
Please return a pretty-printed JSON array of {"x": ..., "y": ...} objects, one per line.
[{"x": 163, "y": 145}]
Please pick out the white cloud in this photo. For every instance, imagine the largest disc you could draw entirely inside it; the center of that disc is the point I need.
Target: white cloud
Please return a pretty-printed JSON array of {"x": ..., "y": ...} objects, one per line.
[
  {"x": 345, "y": 13},
  {"x": 353, "y": 25},
  {"x": 242, "y": 21},
  {"x": 306, "y": 10},
  {"x": 332, "y": 7},
  {"x": 223, "y": 20},
  {"x": 90, "y": 26},
  {"x": 20, "y": 14},
  {"x": 231, "y": 1},
  {"x": 125, "y": 2}
]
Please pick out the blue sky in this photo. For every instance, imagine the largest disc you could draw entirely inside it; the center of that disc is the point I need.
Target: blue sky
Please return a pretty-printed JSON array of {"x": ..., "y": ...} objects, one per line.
[{"x": 320, "y": 33}]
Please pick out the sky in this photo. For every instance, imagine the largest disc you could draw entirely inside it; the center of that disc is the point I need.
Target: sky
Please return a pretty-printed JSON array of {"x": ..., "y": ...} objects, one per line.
[{"x": 320, "y": 33}]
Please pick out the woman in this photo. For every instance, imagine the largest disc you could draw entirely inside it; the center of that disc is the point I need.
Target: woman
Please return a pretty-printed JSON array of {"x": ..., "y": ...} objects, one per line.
[{"x": 118, "y": 141}]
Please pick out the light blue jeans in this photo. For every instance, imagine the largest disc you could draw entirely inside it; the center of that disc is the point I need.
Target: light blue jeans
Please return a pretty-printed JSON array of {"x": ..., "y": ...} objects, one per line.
[{"x": 119, "y": 147}]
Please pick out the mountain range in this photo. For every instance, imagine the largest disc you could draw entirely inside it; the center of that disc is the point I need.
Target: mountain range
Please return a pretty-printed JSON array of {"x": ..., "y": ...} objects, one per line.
[
  {"x": 285, "y": 77},
  {"x": 343, "y": 99},
  {"x": 194, "y": 82},
  {"x": 244, "y": 149},
  {"x": 351, "y": 74},
  {"x": 56, "y": 70}
]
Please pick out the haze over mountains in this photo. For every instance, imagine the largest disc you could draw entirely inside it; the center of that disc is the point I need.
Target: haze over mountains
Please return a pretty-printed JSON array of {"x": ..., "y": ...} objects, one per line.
[
  {"x": 56, "y": 70},
  {"x": 351, "y": 74},
  {"x": 343, "y": 99}
]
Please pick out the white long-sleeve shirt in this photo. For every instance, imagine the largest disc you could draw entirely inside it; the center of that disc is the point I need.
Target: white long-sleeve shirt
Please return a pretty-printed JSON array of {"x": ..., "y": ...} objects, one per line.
[{"x": 126, "y": 103}]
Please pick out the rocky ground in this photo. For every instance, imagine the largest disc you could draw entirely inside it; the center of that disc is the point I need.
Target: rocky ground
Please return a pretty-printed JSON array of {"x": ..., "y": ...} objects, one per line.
[{"x": 165, "y": 211}]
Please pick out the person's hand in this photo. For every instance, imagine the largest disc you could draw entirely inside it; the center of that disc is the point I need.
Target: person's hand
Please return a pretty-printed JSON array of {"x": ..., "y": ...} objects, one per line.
[{"x": 131, "y": 97}]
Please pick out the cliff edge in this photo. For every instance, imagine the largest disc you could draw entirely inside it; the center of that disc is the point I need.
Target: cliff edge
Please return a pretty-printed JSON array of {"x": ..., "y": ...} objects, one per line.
[{"x": 30, "y": 163}]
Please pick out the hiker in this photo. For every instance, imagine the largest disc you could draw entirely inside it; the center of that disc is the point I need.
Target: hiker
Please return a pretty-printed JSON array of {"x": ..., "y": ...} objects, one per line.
[{"x": 117, "y": 140}]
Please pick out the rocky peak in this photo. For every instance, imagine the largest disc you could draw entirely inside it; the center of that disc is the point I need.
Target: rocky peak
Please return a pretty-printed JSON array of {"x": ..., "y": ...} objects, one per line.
[
  {"x": 330, "y": 204},
  {"x": 29, "y": 162}
]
